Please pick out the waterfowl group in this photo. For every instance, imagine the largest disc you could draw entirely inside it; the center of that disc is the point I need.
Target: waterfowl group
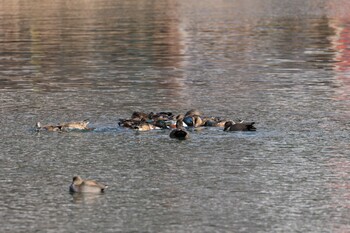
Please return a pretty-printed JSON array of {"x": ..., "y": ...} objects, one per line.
[
  {"x": 141, "y": 121},
  {"x": 166, "y": 120}
]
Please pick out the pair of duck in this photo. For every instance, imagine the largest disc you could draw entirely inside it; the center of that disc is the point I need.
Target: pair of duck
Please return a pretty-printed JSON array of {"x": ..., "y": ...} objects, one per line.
[{"x": 64, "y": 127}]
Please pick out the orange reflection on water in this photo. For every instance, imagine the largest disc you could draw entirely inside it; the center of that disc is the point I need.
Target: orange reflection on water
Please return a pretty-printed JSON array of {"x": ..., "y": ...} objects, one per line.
[{"x": 340, "y": 22}]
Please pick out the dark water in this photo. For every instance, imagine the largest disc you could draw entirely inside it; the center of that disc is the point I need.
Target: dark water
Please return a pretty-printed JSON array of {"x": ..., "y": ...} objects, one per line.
[{"x": 283, "y": 64}]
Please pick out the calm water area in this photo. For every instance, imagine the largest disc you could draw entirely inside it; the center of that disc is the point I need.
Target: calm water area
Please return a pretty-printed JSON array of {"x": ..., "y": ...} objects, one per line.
[{"x": 283, "y": 64}]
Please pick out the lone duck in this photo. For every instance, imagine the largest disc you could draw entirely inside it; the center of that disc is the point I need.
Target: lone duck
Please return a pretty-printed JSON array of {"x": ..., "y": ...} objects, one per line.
[
  {"x": 179, "y": 132},
  {"x": 86, "y": 186},
  {"x": 239, "y": 126}
]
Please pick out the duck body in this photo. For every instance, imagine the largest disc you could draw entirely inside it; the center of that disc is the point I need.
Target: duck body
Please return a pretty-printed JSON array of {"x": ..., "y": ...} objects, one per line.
[
  {"x": 198, "y": 122},
  {"x": 50, "y": 128},
  {"x": 143, "y": 122},
  {"x": 129, "y": 123},
  {"x": 213, "y": 122},
  {"x": 193, "y": 118},
  {"x": 239, "y": 126},
  {"x": 144, "y": 126},
  {"x": 76, "y": 125},
  {"x": 139, "y": 116},
  {"x": 79, "y": 185},
  {"x": 188, "y": 120},
  {"x": 164, "y": 116},
  {"x": 179, "y": 133},
  {"x": 63, "y": 127}
]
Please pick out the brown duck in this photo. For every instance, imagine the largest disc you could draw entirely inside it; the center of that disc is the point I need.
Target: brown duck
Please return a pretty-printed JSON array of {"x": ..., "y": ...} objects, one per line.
[
  {"x": 239, "y": 126},
  {"x": 79, "y": 185}
]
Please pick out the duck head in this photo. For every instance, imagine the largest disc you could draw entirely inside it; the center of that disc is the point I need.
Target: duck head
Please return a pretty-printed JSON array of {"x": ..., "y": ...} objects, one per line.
[
  {"x": 227, "y": 125},
  {"x": 77, "y": 180},
  {"x": 179, "y": 124},
  {"x": 193, "y": 112}
]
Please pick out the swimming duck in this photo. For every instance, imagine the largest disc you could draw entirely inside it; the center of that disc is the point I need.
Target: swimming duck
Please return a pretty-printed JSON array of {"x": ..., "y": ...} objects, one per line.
[
  {"x": 197, "y": 121},
  {"x": 180, "y": 117},
  {"x": 194, "y": 121},
  {"x": 129, "y": 123},
  {"x": 139, "y": 116},
  {"x": 192, "y": 118},
  {"x": 143, "y": 121},
  {"x": 165, "y": 116},
  {"x": 144, "y": 126},
  {"x": 162, "y": 124},
  {"x": 179, "y": 132},
  {"x": 239, "y": 126},
  {"x": 86, "y": 186},
  {"x": 213, "y": 122},
  {"x": 76, "y": 125},
  {"x": 51, "y": 128}
]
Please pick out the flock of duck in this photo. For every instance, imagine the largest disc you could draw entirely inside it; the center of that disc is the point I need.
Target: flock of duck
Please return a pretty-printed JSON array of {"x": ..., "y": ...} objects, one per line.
[{"x": 141, "y": 121}]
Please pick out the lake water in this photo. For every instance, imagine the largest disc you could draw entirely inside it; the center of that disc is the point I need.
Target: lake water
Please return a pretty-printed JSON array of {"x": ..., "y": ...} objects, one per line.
[{"x": 283, "y": 64}]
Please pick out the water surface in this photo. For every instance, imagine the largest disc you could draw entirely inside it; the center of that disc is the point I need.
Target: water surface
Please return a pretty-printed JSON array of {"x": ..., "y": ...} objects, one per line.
[{"x": 283, "y": 65}]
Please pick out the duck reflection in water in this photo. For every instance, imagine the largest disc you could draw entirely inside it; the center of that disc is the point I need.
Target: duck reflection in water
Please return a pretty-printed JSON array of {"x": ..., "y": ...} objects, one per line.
[{"x": 86, "y": 198}]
